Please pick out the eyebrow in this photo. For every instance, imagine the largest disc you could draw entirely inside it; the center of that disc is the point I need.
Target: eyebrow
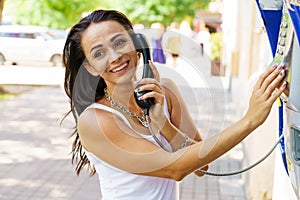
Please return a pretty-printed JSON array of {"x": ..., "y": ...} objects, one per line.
[{"x": 111, "y": 40}]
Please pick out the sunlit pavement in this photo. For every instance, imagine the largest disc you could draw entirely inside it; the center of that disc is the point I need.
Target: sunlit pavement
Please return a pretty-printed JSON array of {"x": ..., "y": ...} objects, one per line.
[
  {"x": 31, "y": 75},
  {"x": 35, "y": 161}
]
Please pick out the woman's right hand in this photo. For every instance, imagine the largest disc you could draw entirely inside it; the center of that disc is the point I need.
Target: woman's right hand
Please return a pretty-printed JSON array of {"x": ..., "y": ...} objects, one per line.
[
  {"x": 265, "y": 94},
  {"x": 157, "y": 92}
]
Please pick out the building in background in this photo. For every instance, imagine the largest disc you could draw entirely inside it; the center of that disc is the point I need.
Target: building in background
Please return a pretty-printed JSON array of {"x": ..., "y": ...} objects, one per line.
[{"x": 246, "y": 54}]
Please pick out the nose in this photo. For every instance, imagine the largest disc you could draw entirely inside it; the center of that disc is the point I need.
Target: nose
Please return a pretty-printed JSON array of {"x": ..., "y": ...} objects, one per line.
[{"x": 114, "y": 56}]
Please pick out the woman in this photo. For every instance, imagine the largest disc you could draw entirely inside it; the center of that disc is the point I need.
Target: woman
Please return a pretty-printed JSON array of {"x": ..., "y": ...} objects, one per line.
[
  {"x": 172, "y": 42},
  {"x": 158, "y": 54},
  {"x": 112, "y": 136}
]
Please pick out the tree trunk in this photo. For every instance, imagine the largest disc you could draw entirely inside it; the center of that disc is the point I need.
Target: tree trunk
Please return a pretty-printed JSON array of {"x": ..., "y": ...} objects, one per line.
[
  {"x": 2, "y": 90},
  {"x": 1, "y": 9}
]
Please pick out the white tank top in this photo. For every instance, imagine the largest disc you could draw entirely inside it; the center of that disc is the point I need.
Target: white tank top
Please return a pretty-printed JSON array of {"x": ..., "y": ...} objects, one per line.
[{"x": 116, "y": 184}]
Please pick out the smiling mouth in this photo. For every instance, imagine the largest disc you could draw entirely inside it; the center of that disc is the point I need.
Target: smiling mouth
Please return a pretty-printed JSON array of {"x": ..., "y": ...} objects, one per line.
[{"x": 120, "y": 68}]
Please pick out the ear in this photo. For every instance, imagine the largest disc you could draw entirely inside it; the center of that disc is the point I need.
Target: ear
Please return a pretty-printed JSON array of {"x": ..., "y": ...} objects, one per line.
[{"x": 90, "y": 68}]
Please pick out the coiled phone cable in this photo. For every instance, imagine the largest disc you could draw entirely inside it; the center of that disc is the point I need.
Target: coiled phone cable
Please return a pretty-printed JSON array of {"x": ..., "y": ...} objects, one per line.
[
  {"x": 216, "y": 173},
  {"x": 245, "y": 169},
  {"x": 146, "y": 112}
]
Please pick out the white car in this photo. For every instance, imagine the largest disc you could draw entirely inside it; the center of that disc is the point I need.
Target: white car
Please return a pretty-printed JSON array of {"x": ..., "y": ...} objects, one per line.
[{"x": 29, "y": 43}]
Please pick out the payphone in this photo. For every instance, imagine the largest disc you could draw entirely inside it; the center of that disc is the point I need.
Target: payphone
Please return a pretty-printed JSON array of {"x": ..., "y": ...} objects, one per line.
[{"x": 282, "y": 23}]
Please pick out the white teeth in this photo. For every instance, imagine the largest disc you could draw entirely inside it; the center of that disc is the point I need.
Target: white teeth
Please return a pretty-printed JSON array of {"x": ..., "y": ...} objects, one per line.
[{"x": 119, "y": 68}]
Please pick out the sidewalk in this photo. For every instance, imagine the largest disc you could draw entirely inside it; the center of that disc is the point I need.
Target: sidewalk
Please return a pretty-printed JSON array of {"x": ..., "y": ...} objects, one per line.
[{"x": 35, "y": 162}]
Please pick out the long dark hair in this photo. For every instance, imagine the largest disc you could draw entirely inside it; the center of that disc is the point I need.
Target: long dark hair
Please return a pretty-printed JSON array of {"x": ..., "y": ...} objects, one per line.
[{"x": 81, "y": 87}]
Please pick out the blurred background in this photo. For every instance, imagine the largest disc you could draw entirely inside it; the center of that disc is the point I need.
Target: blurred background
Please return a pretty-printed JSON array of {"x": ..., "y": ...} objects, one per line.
[{"x": 228, "y": 37}]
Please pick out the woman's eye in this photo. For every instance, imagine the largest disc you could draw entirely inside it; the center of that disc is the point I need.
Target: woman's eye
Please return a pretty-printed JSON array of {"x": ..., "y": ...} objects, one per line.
[
  {"x": 98, "y": 54},
  {"x": 120, "y": 43}
]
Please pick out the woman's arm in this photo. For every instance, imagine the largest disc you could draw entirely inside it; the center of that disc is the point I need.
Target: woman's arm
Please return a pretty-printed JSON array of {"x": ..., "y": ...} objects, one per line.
[{"x": 108, "y": 137}]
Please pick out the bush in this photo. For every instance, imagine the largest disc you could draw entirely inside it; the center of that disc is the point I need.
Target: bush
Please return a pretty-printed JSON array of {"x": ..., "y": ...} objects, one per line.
[{"x": 216, "y": 44}]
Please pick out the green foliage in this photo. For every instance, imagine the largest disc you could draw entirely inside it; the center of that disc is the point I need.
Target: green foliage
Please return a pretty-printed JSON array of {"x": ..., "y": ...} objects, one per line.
[
  {"x": 52, "y": 13},
  {"x": 64, "y": 13},
  {"x": 149, "y": 11},
  {"x": 216, "y": 45},
  {"x": 6, "y": 96}
]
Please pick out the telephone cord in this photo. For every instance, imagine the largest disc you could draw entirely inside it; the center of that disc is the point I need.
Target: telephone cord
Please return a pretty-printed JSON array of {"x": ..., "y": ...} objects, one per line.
[
  {"x": 216, "y": 173},
  {"x": 153, "y": 134},
  {"x": 245, "y": 169}
]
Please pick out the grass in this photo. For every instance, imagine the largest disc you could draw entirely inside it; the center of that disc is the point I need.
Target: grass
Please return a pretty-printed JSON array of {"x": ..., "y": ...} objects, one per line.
[
  {"x": 10, "y": 91},
  {"x": 6, "y": 96}
]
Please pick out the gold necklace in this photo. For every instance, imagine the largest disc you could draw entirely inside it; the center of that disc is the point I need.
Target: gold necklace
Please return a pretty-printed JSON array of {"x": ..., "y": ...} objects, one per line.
[{"x": 141, "y": 119}]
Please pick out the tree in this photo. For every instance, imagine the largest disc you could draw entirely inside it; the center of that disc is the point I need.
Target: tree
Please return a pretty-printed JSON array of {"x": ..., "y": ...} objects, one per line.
[
  {"x": 149, "y": 11},
  {"x": 59, "y": 14},
  {"x": 2, "y": 90},
  {"x": 1, "y": 9},
  {"x": 64, "y": 13}
]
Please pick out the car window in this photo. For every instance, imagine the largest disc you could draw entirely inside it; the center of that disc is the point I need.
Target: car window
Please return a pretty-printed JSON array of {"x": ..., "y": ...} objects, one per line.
[
  {"x": 16, "y": 35},
  {"x": 29, "y": 36},
  {"x": 46, "y": 36},
  {"x": 57, "y": 34}
]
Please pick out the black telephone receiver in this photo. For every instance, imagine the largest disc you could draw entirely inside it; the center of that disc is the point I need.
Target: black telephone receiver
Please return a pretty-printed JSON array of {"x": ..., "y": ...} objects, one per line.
[{"x": 142, "y": 46}]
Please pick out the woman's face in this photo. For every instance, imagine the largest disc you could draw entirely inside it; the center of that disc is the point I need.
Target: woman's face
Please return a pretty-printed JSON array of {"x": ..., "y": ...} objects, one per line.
[{"x": 109, "y": 51}]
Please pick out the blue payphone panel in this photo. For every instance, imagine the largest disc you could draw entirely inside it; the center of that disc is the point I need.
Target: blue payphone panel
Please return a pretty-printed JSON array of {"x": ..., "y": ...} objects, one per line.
[{"x": 282, "y": 22}]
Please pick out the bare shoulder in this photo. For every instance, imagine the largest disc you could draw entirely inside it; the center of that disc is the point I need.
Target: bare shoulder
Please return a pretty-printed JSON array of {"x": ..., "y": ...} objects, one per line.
[
  {"x": 92, "y": 126},
  {"x": 108, "y": 137},
  {"x": 90, "y": 118}
]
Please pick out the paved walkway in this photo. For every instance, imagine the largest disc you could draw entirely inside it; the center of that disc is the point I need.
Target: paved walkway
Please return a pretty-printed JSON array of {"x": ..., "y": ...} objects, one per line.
[{"x": 35, "y": 160}]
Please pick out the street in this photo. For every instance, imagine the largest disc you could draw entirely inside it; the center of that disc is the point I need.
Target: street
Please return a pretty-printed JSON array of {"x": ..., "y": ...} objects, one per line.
[{"x": 31, "y": 74}]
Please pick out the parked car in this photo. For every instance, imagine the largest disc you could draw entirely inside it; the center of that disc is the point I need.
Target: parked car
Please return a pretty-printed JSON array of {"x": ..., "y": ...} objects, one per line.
[{"x": 30, "y": 43}]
